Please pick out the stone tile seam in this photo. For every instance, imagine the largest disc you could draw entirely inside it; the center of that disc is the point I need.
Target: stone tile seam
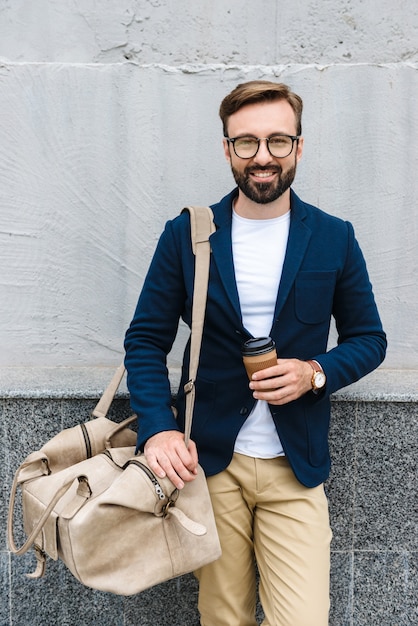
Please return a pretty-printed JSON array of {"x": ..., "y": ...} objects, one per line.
[
  {"x": 32, "y": 394},
  {"x": 198, "y": 68},
  {"x": 9, "y": 563},
  {"x": 354, "y": 551},
  {"x": 355, "y": 474}
]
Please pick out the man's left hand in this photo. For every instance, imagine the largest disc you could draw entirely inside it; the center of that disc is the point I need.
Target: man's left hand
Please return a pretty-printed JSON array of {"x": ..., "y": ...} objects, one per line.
[{"x": 287, "y": 381}]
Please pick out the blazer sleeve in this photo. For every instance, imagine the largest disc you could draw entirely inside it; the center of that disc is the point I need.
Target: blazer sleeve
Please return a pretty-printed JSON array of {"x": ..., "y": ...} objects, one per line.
[
  {"x": 361, "y": 339},
  {"x": 151, "y": 334}
]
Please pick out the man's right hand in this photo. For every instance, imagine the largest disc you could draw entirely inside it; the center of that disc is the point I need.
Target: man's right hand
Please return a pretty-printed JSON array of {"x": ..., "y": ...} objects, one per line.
[{"x": 167, "y": 455}]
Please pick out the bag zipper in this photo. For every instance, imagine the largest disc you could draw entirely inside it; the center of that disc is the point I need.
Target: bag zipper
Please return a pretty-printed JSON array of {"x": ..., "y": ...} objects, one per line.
[{"x": 157, "y": 487}]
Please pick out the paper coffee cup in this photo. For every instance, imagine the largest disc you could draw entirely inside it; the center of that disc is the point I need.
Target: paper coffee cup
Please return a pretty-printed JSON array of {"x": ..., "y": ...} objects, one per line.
[{"x": 259, "y": 353}]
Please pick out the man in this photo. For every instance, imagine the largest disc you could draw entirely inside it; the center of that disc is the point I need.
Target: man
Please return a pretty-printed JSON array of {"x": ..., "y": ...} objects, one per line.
[{"x": 282, "y": 268}]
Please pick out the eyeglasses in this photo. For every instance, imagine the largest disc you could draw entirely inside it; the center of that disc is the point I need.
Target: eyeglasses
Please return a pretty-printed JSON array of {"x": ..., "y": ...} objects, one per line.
[{"x": 279, "y": 146}]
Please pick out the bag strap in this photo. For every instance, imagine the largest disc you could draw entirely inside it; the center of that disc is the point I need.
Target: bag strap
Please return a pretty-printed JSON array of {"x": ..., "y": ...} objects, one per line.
[{"x": 201, "y": 227}]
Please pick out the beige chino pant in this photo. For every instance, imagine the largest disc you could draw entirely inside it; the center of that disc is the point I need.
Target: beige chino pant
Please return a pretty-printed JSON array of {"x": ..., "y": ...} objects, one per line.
[{"x": 262, "y": 511}]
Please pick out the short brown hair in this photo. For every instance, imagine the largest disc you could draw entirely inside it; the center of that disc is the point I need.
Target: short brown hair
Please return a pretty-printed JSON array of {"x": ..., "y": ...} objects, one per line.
[{"x": 257, "y": 91}]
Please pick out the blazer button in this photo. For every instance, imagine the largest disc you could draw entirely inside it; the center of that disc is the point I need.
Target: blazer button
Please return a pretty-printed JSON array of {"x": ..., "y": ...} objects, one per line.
[{"x": 243, "y": 410}]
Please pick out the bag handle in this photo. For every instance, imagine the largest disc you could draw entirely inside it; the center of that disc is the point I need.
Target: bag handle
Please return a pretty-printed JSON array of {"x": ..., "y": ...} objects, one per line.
[
  {"x": 201, "y": 227},
  {"x": 44, "y": 517},
  {"x": 102, "y": 407}
]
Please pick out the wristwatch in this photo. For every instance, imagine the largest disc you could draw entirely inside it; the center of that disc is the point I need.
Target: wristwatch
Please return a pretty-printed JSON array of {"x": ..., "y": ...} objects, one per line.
[{"x": 318, "y": 379}]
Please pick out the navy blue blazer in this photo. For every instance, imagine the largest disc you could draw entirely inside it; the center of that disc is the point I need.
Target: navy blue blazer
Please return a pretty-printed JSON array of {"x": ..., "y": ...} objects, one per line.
[{"x": 324, "y": 275}]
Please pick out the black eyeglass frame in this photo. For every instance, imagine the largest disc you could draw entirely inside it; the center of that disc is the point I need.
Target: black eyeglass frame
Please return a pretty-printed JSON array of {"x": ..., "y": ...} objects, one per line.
[{"x": 267, "y": 140}]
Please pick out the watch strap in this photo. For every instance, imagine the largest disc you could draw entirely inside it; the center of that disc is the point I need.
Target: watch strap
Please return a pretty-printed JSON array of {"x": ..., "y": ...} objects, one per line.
[
  {"x": 315, "y": 365},
  {"x": 316, "y": 368}
]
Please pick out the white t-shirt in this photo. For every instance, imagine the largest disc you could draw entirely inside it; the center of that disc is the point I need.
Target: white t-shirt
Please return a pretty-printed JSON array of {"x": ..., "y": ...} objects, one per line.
[{"x": 259, "y": 248}]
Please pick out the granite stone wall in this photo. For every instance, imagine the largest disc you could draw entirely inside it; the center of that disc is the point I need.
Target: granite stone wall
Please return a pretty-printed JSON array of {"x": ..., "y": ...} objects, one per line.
[{"x": 372, "y": 496}]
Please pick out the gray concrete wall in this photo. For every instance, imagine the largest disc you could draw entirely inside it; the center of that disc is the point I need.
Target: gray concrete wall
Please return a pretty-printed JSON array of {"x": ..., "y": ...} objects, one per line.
[{"x": 108, "y": 126}]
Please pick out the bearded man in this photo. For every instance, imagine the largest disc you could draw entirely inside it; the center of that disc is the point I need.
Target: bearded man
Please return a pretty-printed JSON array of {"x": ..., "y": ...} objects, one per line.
[{"x": 279, "y": 268}]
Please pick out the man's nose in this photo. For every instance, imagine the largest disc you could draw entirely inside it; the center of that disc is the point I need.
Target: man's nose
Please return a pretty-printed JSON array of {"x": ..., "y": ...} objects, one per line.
[{"x": 263, "y": 155}]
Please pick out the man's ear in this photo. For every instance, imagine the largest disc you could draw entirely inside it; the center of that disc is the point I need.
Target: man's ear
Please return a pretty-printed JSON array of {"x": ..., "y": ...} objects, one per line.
[
  {"x": 299, "y": 150},
  {"x": 227, "y": 152}
]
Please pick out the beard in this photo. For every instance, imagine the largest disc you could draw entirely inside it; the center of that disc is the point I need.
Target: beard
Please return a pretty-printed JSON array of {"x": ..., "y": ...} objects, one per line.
[{"x": 264, "y": 193}]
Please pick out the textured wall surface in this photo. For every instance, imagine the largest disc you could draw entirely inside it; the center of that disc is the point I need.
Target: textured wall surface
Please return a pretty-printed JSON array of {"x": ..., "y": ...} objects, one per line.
[
  {"x": 178, "y": 31},
  {"x": 109, "y": 125}
]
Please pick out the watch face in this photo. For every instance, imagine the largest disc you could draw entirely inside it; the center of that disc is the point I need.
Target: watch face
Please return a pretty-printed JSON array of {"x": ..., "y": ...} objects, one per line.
[{"x": 319, "y": 380}]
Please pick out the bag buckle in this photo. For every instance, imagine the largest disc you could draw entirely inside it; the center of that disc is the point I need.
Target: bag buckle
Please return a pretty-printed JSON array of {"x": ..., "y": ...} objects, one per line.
[
  {"x": 188, "y": 387},
  {"x": 172, "y": 499},
  {"x": 40, "y": 563}
]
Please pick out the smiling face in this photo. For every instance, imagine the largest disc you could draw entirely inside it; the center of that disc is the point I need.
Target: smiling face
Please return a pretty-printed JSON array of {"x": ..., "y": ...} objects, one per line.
[{"x": 263, "y": 179}]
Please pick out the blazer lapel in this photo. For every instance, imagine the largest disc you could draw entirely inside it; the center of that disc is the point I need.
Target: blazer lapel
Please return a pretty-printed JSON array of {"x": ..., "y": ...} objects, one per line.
[
  {"x": 221, "y": 246},
  {"x": 299, "y": 236}
]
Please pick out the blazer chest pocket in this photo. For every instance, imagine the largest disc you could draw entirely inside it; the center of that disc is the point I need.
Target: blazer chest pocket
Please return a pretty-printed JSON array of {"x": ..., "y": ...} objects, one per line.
[{"x": 314, "y": 295}]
